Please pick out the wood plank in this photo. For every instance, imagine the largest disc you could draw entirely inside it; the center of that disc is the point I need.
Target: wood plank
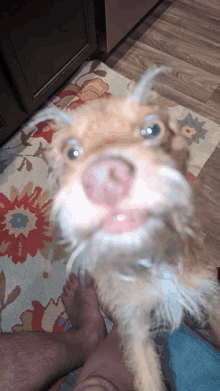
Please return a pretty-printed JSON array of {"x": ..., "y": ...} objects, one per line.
[
  {"x": 214, "y": 247},
  {"x": 186, "y": 89},
  {"x": 183, "y": 14},
  {"x": 185, "y": 47},
  {"x": 210, "y": 173},
  {"x": 184, "y": 78},
  {"x": 214, "y": 100},
  {"x": 210, "y": 217},
  {"x": 168, "y": 23}
]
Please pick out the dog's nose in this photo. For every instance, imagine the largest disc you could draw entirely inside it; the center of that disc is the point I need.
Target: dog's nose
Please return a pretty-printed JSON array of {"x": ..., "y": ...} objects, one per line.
[{"x": 107, "y": 180}]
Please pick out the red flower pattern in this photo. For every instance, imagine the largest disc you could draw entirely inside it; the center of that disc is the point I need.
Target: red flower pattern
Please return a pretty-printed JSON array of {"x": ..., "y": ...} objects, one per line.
[
  {"x": 75, "y": 96},
  {"x": 51, "y": 318},
  {"x": 24, "y": 224},
  {"x": 46, "y": 129},
  {"x": 191, "y": 177}
]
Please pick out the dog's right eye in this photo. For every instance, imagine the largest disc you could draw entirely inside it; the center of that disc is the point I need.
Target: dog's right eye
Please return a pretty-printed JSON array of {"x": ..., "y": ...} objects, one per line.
[
  {"x": 72, "y": 153},
  {"x": 73, "y": 150}
]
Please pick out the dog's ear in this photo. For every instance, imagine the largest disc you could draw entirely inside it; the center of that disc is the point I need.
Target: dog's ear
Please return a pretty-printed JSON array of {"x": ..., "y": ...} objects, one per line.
[
  {"x": 62, "y": 119},
  {"x": 141, "y": 94},
  {"x": 145, "y": 84},
  {"x": 52, "y": 155},
  {"x": 64, "y": 122}
]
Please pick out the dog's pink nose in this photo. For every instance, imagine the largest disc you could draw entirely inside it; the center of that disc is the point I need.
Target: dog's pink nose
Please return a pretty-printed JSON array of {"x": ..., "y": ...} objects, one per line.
[{"x": 107, "y": 180}]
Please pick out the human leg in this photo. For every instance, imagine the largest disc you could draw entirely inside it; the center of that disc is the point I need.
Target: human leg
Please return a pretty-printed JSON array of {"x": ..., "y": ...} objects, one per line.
[
  {"x": 31, "y": 360},
  {"x": 105, "y": 369}
]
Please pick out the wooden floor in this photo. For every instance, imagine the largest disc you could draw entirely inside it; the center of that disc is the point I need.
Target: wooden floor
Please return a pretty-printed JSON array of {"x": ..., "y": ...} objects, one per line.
[{"x": 186, "y": 35}]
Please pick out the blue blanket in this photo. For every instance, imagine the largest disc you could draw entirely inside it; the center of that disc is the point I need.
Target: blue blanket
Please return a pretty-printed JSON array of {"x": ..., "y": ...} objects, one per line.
[{"x": 195, "y": 363}]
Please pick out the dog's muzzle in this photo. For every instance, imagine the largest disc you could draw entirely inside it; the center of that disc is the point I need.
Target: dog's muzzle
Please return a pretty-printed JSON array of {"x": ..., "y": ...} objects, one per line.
[
  {"x": 106, "y": 182},
  {"x": 114, "y": 183}
]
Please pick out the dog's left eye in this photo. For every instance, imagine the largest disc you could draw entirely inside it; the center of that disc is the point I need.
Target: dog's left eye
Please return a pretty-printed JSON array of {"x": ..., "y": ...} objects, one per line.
[
  {"x": 152, "y": 128},
  {"x": 73, "y": 150},
  {"x": 151, "y": 131}
]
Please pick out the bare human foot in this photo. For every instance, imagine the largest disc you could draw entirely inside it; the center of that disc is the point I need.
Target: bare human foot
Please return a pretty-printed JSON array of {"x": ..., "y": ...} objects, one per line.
[{"x": 81, "y": 305}]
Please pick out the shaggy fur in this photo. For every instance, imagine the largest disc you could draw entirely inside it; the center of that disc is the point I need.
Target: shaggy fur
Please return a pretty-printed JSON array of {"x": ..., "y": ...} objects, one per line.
[{"x": 150, "y": 277}]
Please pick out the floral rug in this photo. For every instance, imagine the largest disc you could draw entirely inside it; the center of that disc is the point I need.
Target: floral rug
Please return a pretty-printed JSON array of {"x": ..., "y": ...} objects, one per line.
[{"x": 32, "y": 262}]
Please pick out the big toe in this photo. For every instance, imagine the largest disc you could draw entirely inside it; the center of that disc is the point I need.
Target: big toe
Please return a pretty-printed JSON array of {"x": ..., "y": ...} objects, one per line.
[
  {"x": 69, "y": 290},
  {"x": 80, "y": 300}
]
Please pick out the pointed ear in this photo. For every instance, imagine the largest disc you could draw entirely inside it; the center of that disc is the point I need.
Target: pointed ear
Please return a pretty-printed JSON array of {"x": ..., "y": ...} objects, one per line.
[
  {"x": 61, "y": 118},
  {"x": 52, "y": 154},
  {"x": 141, "y": 93},
  {"x": 145, "y": 84}
]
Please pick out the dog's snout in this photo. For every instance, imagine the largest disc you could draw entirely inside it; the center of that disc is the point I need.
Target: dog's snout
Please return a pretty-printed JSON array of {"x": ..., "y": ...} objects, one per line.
[{"x": 107, "y": 180}]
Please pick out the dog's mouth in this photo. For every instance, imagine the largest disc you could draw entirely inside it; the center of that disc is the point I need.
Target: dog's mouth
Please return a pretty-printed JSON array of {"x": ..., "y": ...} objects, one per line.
[{"x": 122, "y": 222}]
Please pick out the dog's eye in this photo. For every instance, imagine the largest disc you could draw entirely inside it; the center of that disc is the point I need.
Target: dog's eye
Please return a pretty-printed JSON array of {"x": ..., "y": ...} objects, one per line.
[
  {"x": 151, "y": 131},
  {"x": 73, "y": 150},
  {"x": 72, "y": 153},
  {"x": 152, "y": 128}
]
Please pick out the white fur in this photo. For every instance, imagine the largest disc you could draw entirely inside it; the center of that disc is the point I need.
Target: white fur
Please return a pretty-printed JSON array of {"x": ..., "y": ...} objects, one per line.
[
  {"x": 75, "y": 208},
  {"x": 64, "y": 120},
  {"x": 163, "y": 187},
  {"x": 164, "y": 288}
]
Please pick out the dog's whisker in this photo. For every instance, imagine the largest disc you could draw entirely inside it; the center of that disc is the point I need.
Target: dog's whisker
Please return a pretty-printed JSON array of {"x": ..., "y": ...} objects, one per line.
[{"x": 73, "y": 257}]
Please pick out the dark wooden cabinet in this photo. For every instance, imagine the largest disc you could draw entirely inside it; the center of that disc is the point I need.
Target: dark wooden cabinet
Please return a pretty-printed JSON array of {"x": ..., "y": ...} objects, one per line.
[
  {"x": 120, "y": 17},
  {"x": 42, "y": 44},
  {"x": 12, "y": 113}
]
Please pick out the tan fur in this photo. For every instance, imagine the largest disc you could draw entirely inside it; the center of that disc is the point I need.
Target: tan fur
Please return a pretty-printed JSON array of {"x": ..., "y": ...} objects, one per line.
[{"x": 130, "y": 290}]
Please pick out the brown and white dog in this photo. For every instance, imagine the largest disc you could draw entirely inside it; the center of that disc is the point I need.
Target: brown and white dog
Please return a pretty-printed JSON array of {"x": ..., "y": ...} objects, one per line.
[{"x": 127, "y": 208}]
